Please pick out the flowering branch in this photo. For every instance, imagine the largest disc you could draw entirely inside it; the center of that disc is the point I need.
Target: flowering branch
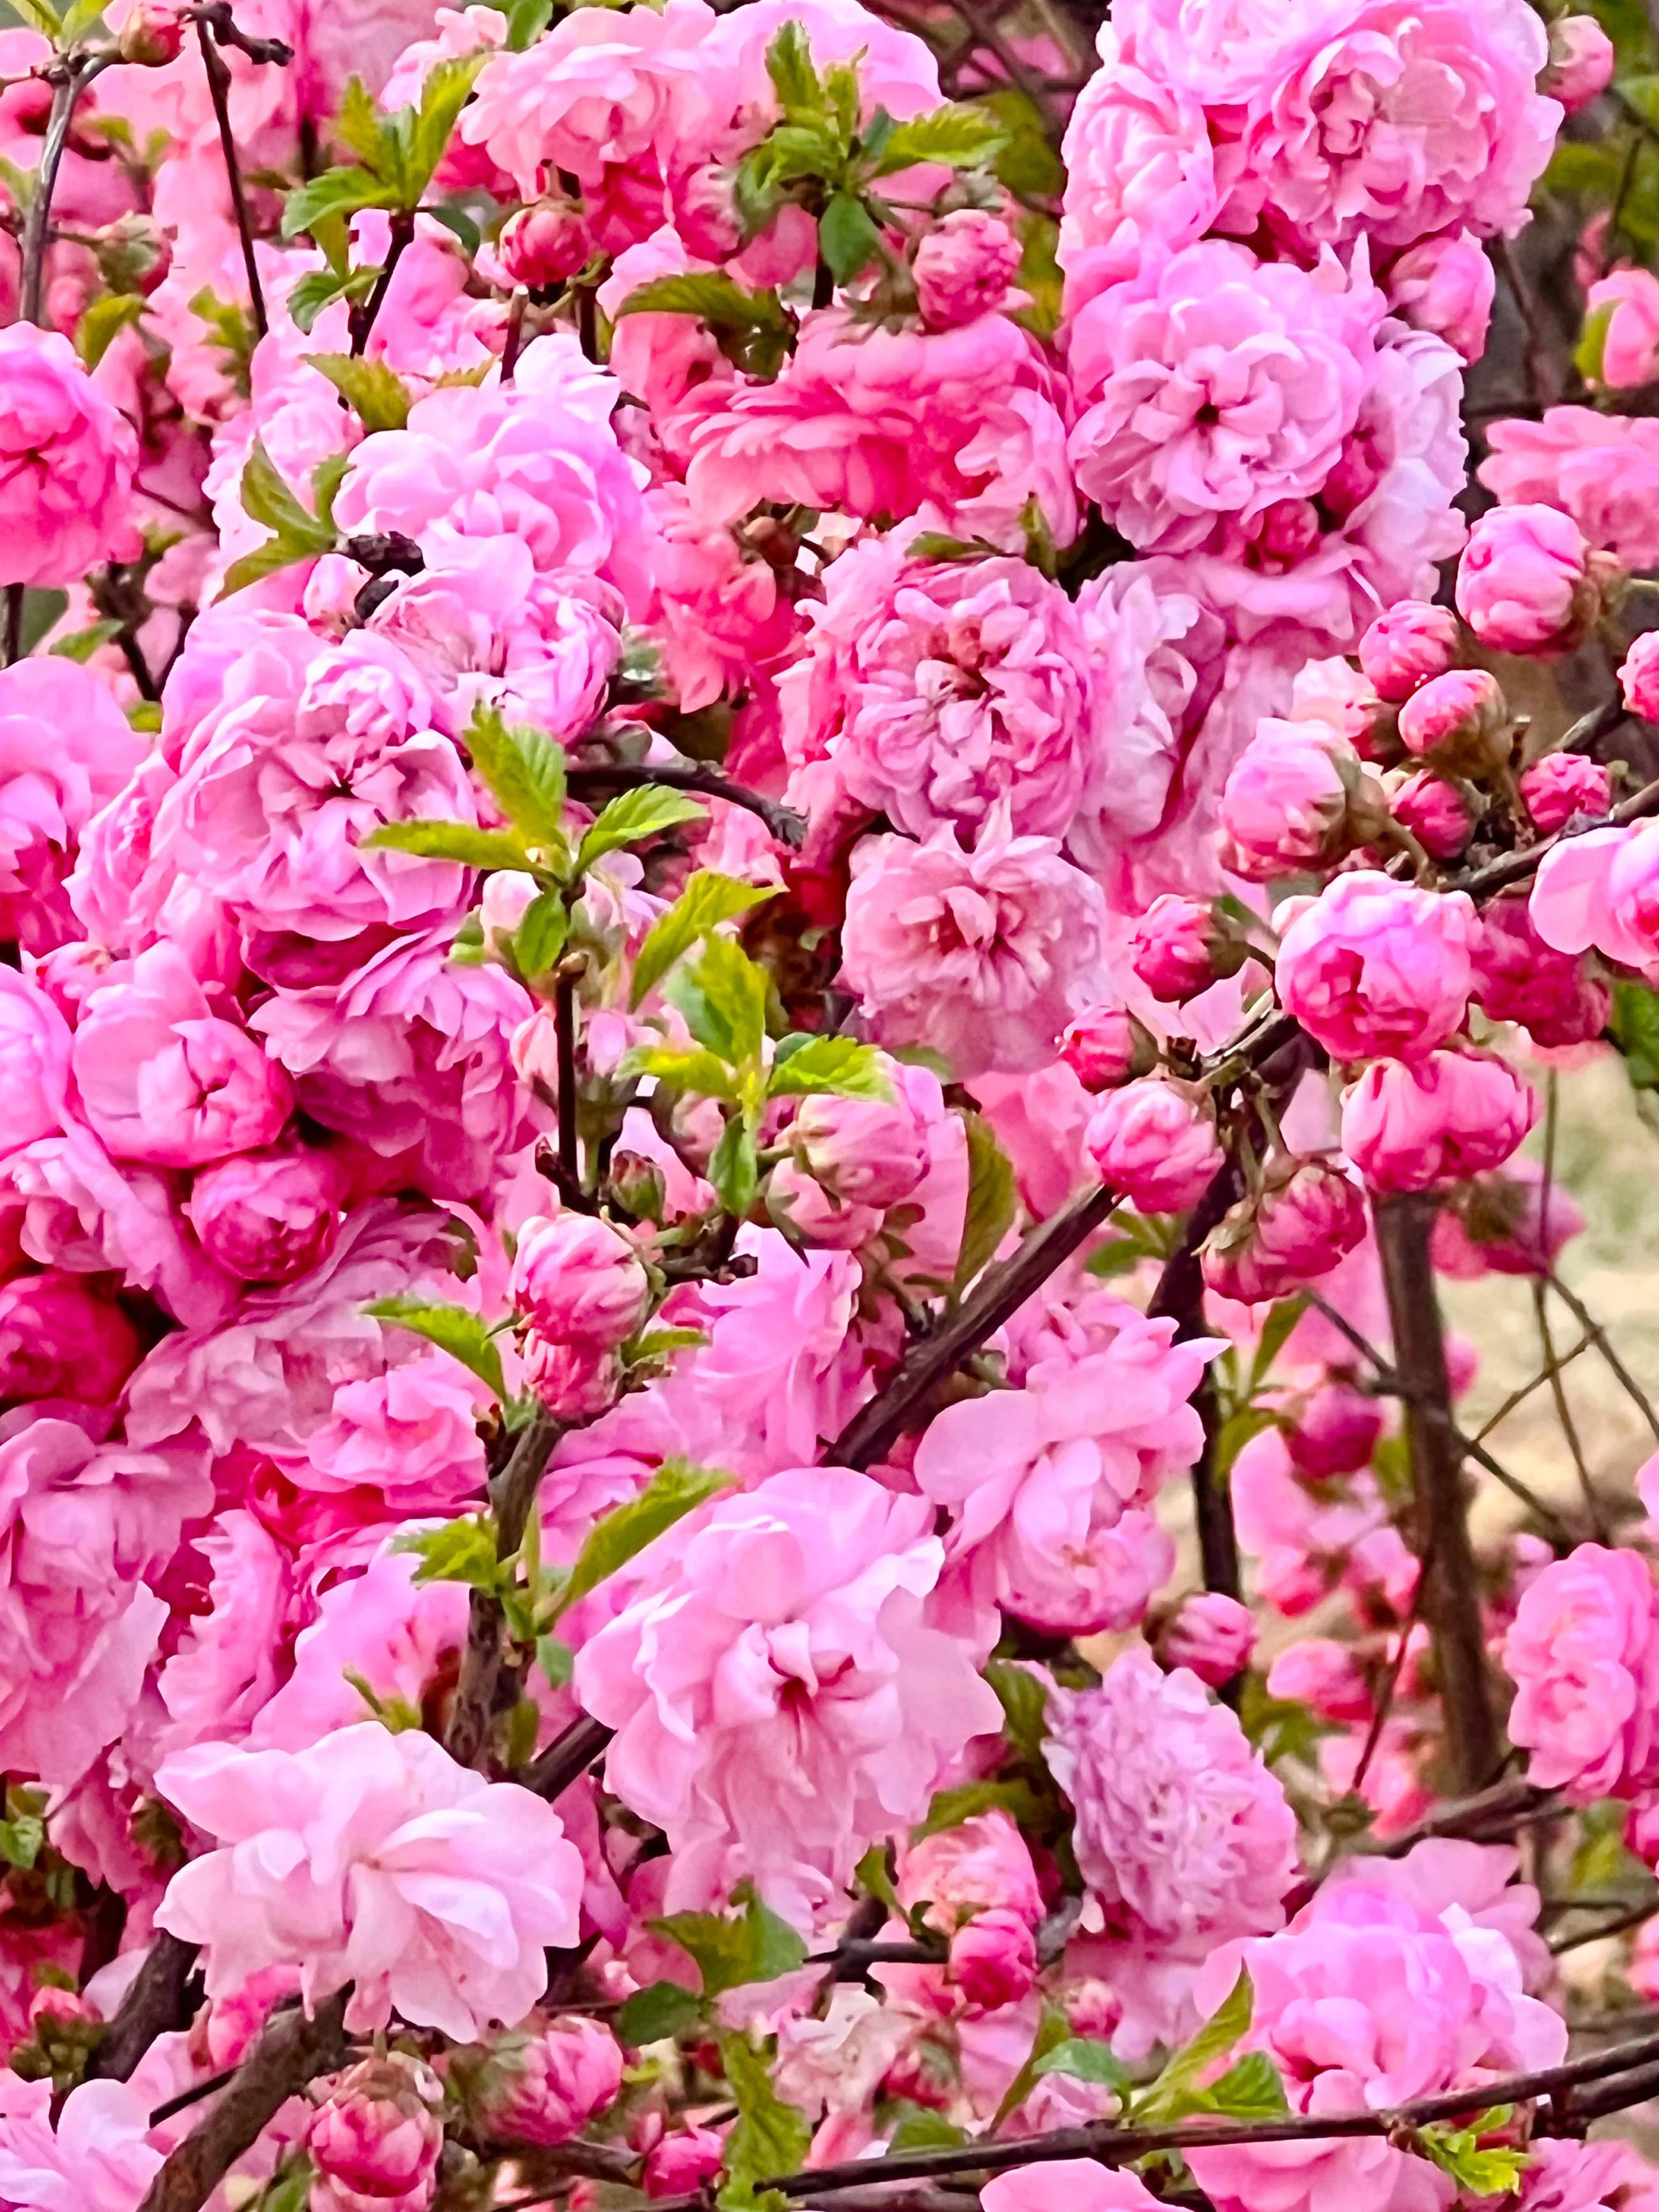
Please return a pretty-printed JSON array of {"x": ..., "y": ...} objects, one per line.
[{"x": 215, "y": 27}]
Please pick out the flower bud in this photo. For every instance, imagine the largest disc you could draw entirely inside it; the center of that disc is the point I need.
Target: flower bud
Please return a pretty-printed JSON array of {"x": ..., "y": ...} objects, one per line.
[
  {"x": 1154, "y": 1142},
  {"x": 1410, "y": 1126},
  {"x": 1286, "y": 804},
  {"x": 1620, "y": 348},
  {"x": 868, "y": 1152},
  {"x": 1406, "y": 646},
  {"x": 1211, "y": 1634},
  {"x": 575, "y": 1381},
  {"x": 1434, "y": 810},
  {"x": 1105, "y": 1047},
  {"x": 58, "y": 1338},
  {"x": 682, "y": 2161},
  {"x": 1561, "y": 785},
  {"x": 801, "y": 1206},
  {"x": 1306, "y": 1218},
  {"x": 1325, "y": 1676},
  {"x": 545, "y": 244},
  {"x": 1446, "y": 286},
  {"x": 153, "y": 34},
  {"x": 994, "y": 1959},
  {"x": 543, "y": 2085},
  {"x": 579, "y": 1281},
  {"x": 1335, "y": 1432},
  {"x": 964, "y": 269},
  {"x": 1508, "y": 1223},
  {"x": 1527, "y": 581},
  {"x": 267, "y": 1217},
  {"x": 1581, "y": 62},
  {"x": 1180, "y": 946},
  {"x": 374, "y": 2147},
  {"x": 1461, "y": 721}
]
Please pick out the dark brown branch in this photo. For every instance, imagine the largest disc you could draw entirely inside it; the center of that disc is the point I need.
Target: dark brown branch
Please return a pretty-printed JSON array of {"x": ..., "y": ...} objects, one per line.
[
  {"x": 596, "y": 782},
  {"x": 1489, "y": 1813},
  {"x": 209, "y": 31},
  {"x": 513, "y": 1492},
  {"x": 569, "y": 974},
  {"x": 566, "y": 1758},
  {"x": 1516, "y": 867},
  {"x": 362, "y": 318},
  {"x": 157, "y": 2003},
  {"x": 292, "y": 2052}
]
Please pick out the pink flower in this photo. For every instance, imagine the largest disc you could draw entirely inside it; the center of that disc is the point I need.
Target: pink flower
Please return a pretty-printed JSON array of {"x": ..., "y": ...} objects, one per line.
[
  {"x": 1067, "y": 2185},
  {"x": 1520, "y": 977},
  {"x": 579, "y": 1281},
  {"x": 1508, "y": 1224},
  {"x": 545, "y": 244},
  {"x": 1446, "y": 286},
  {"x": 544, "y": 2084},
  {"x": 34, "y": 1062},
  {"x": 684, "y": 2159},
  {"x": 965, "y": 266},
  {"x": 1324, "y": 1675},
  {"x": 1525, "y": 582},
  {"x": 1306, "y": 1218},
  {"x": 994, "y": 1959},
  {"x": 374, "y": 1859},
  {"x": 66, "y": 749},
  {"x": 1177, "y": 950},
  {"x": 1461, "y": 721},
  {"x": 1407, "y": 646},
  {"x": 866, "y": 1151},
  {"x": 1284, "y": 806},
  {"x": 97, "y": 2158},
  {"x": 1335, "y": 1432},
  {"x": 1211, "y": 1635},
  {"x": 984, "y": 955},
  {"x": 779, "y": 1695},
  {"x": 410, "y": 1434},
  {"x": 1154, "y": 1142},
  {"x": 1139, "y": 175},
  {"x": 1562, "y": 785},
  {"x": 1583, "y": 1652},
  {"x": 58, "y": 1338},
  {"x": 934, "y": 692},
  {"x": 1622, "y": 313},
  {"x": 1411, "y": 1124},
  {"x": 1580, "y": 63},
  {"x": 80, "y": 1527},
  {"x": 1372, "y": 966},
  {"x": 1601, "y": 888},
  {"x": 1106, "y": 1045},
  {"x": 957, "y": 1871},
  {"x": 1602, "y": 469},
  {"x": 66, "y": 464},
  {"x": 1638, "y": 679},
  {"x": 1184, "y": 1837},
  {"x": 267, "y": 1217},
  {"x": 1221, "y": 386},
  {"x": 374, "y": 2144},
  {"x": 1050, "y": 1485},
  {"x": 1434, "y": 810}
]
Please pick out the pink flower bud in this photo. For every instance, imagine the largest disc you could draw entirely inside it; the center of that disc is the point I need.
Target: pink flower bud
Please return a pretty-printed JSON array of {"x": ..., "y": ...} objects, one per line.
[
  {"x": 963, "y": 268},
  {"x": 1105, "y": 1047},
  {"x": 58, "y": 1338},
  {"x": 1621, "y": 329},
  {"x": 1154, "y": 1142},
  {"x": 1179, "y": 949},
  {"x": 683, "y": 2159},
  {"x": 543, "y": 245},
  {"x": 1335, "y": 1432},
  {"x": 1306, "y": 1218},
  {"x": 994, "y": 1959},
  {"x": 1325, "y": 1676},
  {"x": 1414, "y": 1125},
  {"x": 1519, "y": 978},
  {"x": 800, "y": 1204},
  {"x": 1211, "y": 1634},
  {"x": 1461, "y": 721},
  {"x": 1408, "y": 644},
  {"x": 868, "y": 1152},
  {"x": 1526, "y": 582},
  {"x": 1562, "y": 785},
  {"x": 1446, "y": 286},
  {"x": 706, "y": 213},
  {"x": 267, "y": 1217},
  {"x": 1503, "y": 1225},
  {"x": 577, "y": 1381},
  {"x": 579, "y": 1281},
  {"x": 152, "y": 35},
  {"x": 543, "y": 2084},
  {"x": 1286, "y": 804},
  {"x": 1372, "y": 966},
  {"x": 1581, "y": 62},
  {"x": 960, "y": 1871},
  {"x": 64, "y": 2006},
  {"x": 374, "y": 2145},
  {"x": 1639, "y": 676},
  {"x": 1434, "y": 810}
]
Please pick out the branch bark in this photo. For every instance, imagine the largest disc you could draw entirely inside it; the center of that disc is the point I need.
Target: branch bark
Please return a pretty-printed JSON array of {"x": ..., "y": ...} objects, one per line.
[
  {"x": 785, "y": 824},
  {"x": 157, "y": 2003},
  {"x": 1180, "y": 1296},
  {"x": 512, "y": 1494}
]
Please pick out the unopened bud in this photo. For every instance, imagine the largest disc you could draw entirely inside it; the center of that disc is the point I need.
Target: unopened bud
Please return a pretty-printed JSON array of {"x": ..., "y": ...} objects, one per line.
[
  {"x": 152, "y": 35},
  {"x": 1461, "y": 721},
  {"x": 545, "y": 244}
]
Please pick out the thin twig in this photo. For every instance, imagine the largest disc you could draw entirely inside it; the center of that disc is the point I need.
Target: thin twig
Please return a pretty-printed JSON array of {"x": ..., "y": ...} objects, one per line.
[
  {"x": 566, "y": 1758},
  {"x": 513, "y": 1492},
  {"x": 218, "y": 79},
  {"x": 1515, "y": 867},
  {"x": 1519, "y": 1397},
  {"x": 362, "y": 318},
  {"x": 1598, "y": 1335},
  {"x": 569, "y": 973},
  {"x": 593, "y": 780}
]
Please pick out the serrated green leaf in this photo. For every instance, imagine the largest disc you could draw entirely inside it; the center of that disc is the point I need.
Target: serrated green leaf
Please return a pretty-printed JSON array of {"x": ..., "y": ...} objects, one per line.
[
  {"x": 655, "y": 2013},
  {"x": 84, "y": 643},
  {"x": 967, "y": 1799},
  {"x": 1250, "y": 2089},
  {"x": 266, "y": 559},
  {"x": 847, "y": 236},
  {"x": 1083, "y": 2059},
  {"x": 728, "y": 1951},
  {"x": 838, "y": 1066},
  {"x": 709, "y": 899},
  {"x": 790, "y": 66},
  {"x": 379, "y": 396},
  {"x": 992, "y": 1198},
  {"x": 734, "y": 1168},
  {"x": 770, "y": 2137},
  {"x": 462, "y": 1334},
  {"x": 632, "y": 816},
  {"x": 539, "y": 938},
  {"x": 1180, "y": 2076},
  {"x": 103, "y": 323},
  {"x": 1457, "y": 2151},
  {"x": 22, "y": 1840},
  {"x": 525, "y": 771},
  {"x": 336, "y": 191},
  {"x": 1026, "y": 161},
  {"x": 959, "y": 136},
  {"x": 676, "y": 1489},
  {"x": 723, "y": 997},
  {"x": 688, "y": 1068},
  {"x": 360, "y": 128},
  {"x": 449, "y": 841},
  {"x": 447, "y": 87},
  {"x": 463, "y": 1551},
  {"x": 715, "y": 299},
  {"x": 325, "y": 481},
  {"x": 526, "y": 21},
  {"x": 320, "y": 288},
  {"x": 267, "y": 497}
]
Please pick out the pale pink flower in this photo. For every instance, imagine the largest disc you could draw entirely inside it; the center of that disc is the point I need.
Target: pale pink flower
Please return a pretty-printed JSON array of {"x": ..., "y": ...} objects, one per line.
[
  {"x": 780, "y": 1697},
  {"x": 1602, "y": 469},
  {"x": 374, "y": 2142},
  {"x": 1067, "y": 2185},
  {"x": 268, "y": 1216},
  {"x": 1154, "y": 1142},
  {"x": 1446, "y": 286},
  {"x": 1512, "y": 1223},
  {"x": 59, "y": 1339},
  {"x": 1325, "y": 1676},
  {"x": 228, "y": 1661},
  {"x": 1412, "y": 1125},
  {"x": 66, "y": 749},
  {"x": 1638, "y": 680},
  {"x": 1211, "y": 1635},
  {"x": 1306, "y": 1218},
  {"x": 545, "y": 2083},
  {"x": 965, "y": 266},
  {"x": 410, "y": 1434},
  {"x": 66, "y": 464},
  {"x": 1601, "y": 888},
  {"x": 578, "y": 1280},
  {"x": 96, "y": 2157},
  {"x": 1621, "y": 310},
  {"x": 1583, "y": 1652},
  {"x": 373, "y": 1858},
  {"x": 1407, "y": 646},
  {"x": 1374, "y": 966},
  {"x": 1526, "y": 583},
  {"x": 1050, "y": 1485},
  {"x": 721, "y": 611},
  {"x": 34, "y": 1062},
  {"x": 984, "y": 955}
]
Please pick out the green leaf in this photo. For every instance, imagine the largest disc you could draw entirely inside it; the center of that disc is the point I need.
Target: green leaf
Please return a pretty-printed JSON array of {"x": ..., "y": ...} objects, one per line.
[
  {"x": 769, "y": 2138},
  {"x": 708, "y": 899},
  {"x": 1251, "y": 2089},
  {"x": 789, "y": 64},
  {"x": 1275, "y": 1333},
  {"x": 847, "y": 236},
  {"x": 1478, "y": 2172},
  {"x": 840, "y": 1066},
  {"x": 267, "y": 497},
  {"x": 360, "y": 128},
  {"x": 916, "y": 2127},
  {"x": 266, "y": 559},
  {"x": 449, "y": 841},
  {"x": 103, "y": 323},
  {"x": 557, "y": 1660},
  {"x": 991, "y": 1201},
  {"x": 462, "y": 1334},
  {"x": 1024, "y": 1701},
  {"x": 1052, "y": 2030},
  {"x": 715, "y": 299},
  {"x": 444, "y": 92},
  {"x": 688, "y": 1068},
  {"x": 22, "y": 1840},
  {"x": 1026, "y": 161},
  {"x": 634, "y": 816},
  {"x": 539, "y": 938},
  {"x": 967, "y": 1799},
  {"x": 526, "y": 20},
  {"x": 463, "y": 1551},
  {"x": 676, "y": 1489},
  {"x": 320, "y": 288},
  {"x": 655, "y": 2013},
  {"x": 84, "y": 643},
  {"x": 379, "y": 396},
  {"x": 336, "y": 191},
  {"x": 40, "y": 15},
  {"x": 734, "y": 1170},
  {"x": 754, "y": 1947},
  {"x": 525, "y": 770},
  {"x": 959, "y": 136},
  {"x": 1634, "y": 1026},
  {"x": 1119, "y": 1256},
  {"x": 1180, "y": 2076},
  {"x": 1083, "y": 2059},
  {"x": 873, "y": 1875},
  {"x": 1587, "y": 354},
  {"x": 723, "y": 997}
]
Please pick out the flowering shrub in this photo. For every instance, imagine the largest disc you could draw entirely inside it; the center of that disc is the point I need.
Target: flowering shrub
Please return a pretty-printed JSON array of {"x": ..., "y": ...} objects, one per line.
[{"x": 783, "y": 825}]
